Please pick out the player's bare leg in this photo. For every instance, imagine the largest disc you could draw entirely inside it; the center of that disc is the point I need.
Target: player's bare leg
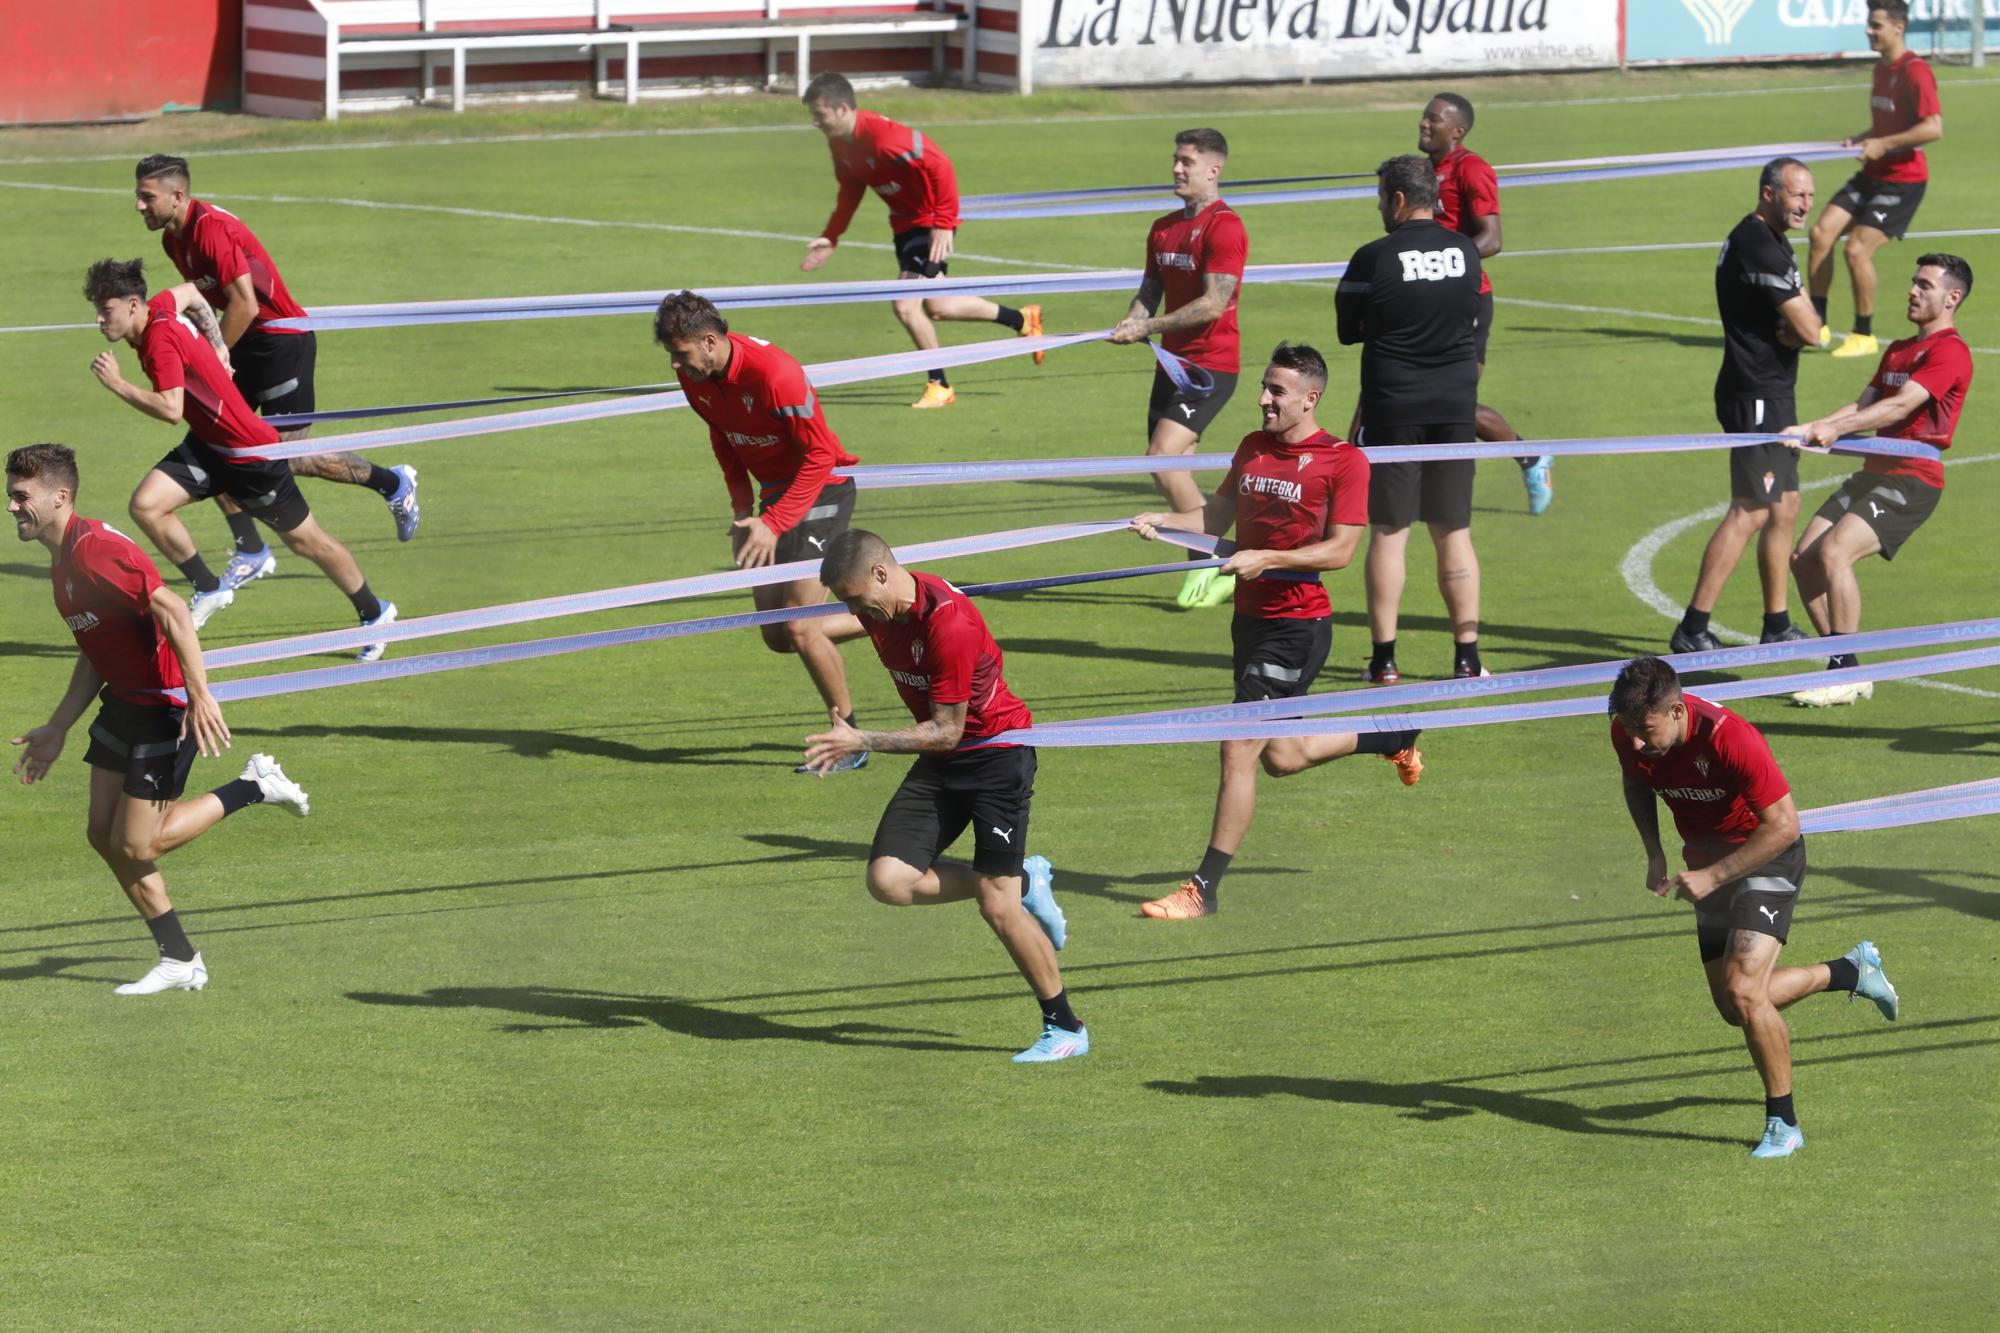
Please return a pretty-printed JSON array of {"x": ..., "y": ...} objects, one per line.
[
  {"x": 974, "y": 309},
  {"x": 1725, "y": 547},
  {"x": 1171, "y": 439},
  {"x": 1774, "y": 552},
  {"x": 1825, "y": 235},
  {"x": 153, "y": 507},
  {"x": 136, "y": 875},
  {"x": 346, "y": 469},
  {"x": 318, "y": 545},
  {"x": 1862, "y": 243},
  {"x": 815, "y": 641},
  {"x": 1458, "y": 580},
  {"x": 1235, "y": 795},
  {"x": 1825, "y": 564},
  {"x": 900, "y": 884},
  {"x": 1384, "y": 574},
  {"x": 1740, "y": 984}
]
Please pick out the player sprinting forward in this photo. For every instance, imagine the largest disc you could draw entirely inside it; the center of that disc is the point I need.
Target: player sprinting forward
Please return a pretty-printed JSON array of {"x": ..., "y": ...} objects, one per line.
[
  {"x": 1194, "y": 264},
  {"x": 766, "y": 423},
  {"x": 1469, "y": 204},
  {"x": 1766, "y": 319},
  {"x": 1880, "y": 201},
  {"x": 1746, "y": 862},
  {"x": 1917, "y": 393},
  {"x": 139, "y": 654},
  {"x": 217, "y": 252},
  {"x": 948, "y": 670},
  {"x": 1298, "y": 499},
  {"x": 189, "y": 372},
  {"x": 915, "y": 179}
]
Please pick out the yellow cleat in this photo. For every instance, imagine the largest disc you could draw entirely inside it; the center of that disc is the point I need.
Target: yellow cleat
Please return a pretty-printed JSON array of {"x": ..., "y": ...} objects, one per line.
[
  {"x": 1825, "y": 338},
  {"x": 1409, "y": 764},
  {"x": 1857, "y": 344},
  {"x": 1031, "y": 327},
  {"x": 936, "y": 395},
  {"x": 1183, "y": 904}
]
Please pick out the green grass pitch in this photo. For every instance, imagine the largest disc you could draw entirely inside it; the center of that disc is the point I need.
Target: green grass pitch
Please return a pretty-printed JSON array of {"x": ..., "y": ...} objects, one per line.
[{"x": 567, "y": 1006}]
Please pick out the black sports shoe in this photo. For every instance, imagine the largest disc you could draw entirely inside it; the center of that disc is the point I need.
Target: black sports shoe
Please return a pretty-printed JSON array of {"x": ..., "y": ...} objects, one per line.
[
  {"x": 1789, "y": 634},
  {"x": 1684, "y": 642}
]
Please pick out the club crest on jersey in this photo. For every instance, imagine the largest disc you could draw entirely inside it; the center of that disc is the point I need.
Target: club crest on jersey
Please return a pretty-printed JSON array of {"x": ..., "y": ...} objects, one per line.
[
  {"x": 1701, "y": 765},
  {"x": 69, "y": 588},
  {"x": 1305, "y": 461},
  {"x": 1194, "y": 236},
  {"x": 748, "y": 402},
  {"x": 917, "y": 653}
]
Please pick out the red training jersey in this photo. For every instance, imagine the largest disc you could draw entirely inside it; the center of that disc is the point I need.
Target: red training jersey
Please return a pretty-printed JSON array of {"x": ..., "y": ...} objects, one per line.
[
  {"x": 1288, "y": 496},
  {"x": 910, "y": 172},
  {"x": 104, "y": 587},
  {"x": 176, "y": 357},
  {"x": 1181, "y": 252},
  {"x": 1903, "y": 93},
  {"x": 765, "y": 421},
  {"x": 1467, "y": 191},
  {"x": 942, "y": 653},
  {"x": 1715, "y": 781},
  {"x": 1942, "y": 363},
  {"x": 214, "y": 249}
]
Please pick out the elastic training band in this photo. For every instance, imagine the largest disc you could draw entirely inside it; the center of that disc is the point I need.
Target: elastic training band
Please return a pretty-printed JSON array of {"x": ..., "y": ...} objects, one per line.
[{"x": 1916, "y": 807}]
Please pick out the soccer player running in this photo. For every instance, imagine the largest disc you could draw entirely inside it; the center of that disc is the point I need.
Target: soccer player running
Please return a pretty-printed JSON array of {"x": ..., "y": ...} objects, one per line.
[
  {"x": 140, "y": 656},
  {"x": 1469, "y": 203},
  {"x": 915, "y": 179},
  {"x": 1766, "y": 319},
  {"x": 948, "y": 670},
  {"x": 1194, "y": 263},
  {"x": 217, "y": 252},
  {"x": 1298, "y": 499},
  {"x": 189, "y": 372},
  {"x": 1411, "y": 298},
  {"x": 765, "y": 422},
  {"x": 1880, "y": 201},
  {"x": 1746, "y": 862},
  {"x": 1917, "y": 394}
]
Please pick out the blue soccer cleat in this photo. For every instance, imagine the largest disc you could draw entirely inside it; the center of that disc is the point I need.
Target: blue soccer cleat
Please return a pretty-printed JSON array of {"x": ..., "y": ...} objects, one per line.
[
  {"x": 1055, "y": 1044},
  {"x": 1040, "y": 900},
  {"x": 403, "y": 506},
  {"x": 1873, "y": 984},
  {"x": 1780, "y": 1139},
  {"x": 1539, "y": 478}
]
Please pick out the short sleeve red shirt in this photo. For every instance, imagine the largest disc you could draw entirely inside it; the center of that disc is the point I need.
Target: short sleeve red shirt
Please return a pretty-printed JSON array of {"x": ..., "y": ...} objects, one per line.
[
  {"x": 942, "y": 653},
  {"x": 1467, "y": 191},
  {"x": 1942, "y": 363},
  {"x": 765, "y": 421},
  {"x": 214, "y": 249},
  {"x": 1903, "y": 92},
  {"x": 176, "y": 357},
  {"x": 1181, "y": 252},
  {"x": 104, "y": 586},
  {"x": 1715, "y": 781},
  {"x": 1288, "y": 496},
  {"x": 908, "y": 171}
]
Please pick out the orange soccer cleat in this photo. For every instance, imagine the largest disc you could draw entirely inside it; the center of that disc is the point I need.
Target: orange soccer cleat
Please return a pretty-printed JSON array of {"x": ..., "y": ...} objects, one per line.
[
  {"x": 1409, "y": 764},
  {"x": 1183, "y": 904},
  {"x": 1031, "y": 327},
  {"x": 936, "y": 395}
]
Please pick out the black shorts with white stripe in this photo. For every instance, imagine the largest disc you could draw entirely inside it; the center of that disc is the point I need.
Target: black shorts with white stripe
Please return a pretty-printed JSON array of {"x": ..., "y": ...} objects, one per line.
[
  {"x": 274, "y": 371},
  {"x": 831, "y": 514},
  {"x": 1278, "y": 659},
  {"x": 144, "y": 743},
  {"x": 1761, "y": 903}
]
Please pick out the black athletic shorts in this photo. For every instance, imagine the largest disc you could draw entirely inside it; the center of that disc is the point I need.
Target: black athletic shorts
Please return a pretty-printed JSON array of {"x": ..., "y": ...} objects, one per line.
[
  {"x": 265, "y": 491},
  {"x": 1400, "y": 494},
  {"x": 831, "y": 513},
  {"x": 144, "y": 743},
  {"x": 274, "y": 371},
  {"x": 1894, "y": 507},
  {"x": 1482, "y": 327},
  {"x": 988, "y": 788},
  {"x": 913, "y": 254},
  {"x": 1759, "y": 473},
  {"x": 1186, "y": 409},
  {"x": 1762, "y": 902},
  {"x": 1277, "y": 659},
  {"x": 1887, "y": 206}
]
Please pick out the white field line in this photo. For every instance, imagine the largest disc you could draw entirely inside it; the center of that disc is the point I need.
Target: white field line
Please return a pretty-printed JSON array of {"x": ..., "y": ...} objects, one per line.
[{"x": 1637, "y": 571}]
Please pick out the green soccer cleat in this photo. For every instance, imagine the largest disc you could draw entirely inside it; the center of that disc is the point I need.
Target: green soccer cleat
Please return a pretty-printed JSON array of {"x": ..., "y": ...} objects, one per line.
[{"x": 1872, "y": 984}]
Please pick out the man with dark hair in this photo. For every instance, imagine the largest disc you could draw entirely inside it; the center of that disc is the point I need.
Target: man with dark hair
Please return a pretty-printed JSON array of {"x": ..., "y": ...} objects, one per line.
[
  {"x": 1880, "y": 201},
  {"x": 915, "y": 179},
  {"x": 139, "y": 654},
  {"x": 948, "y": 670},
  {"x": 218, "y": 253},
  {"x": 1469, "y": 203},
  {"x": 765, "y": 422},
  {"x": 1917, "y": 393},
  {"x": 1766, "y": 319},
  {"x": 1411, "y": 298},
  {"x": 1194, "y": 262},
  {"x": 1298, "y": 499},
  {"x": 219, "y": 455},
  {"x": 1746, "y": 863}
]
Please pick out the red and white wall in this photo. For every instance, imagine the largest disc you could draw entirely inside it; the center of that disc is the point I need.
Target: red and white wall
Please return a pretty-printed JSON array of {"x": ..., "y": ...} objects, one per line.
[{"x": 116, "y": 59}]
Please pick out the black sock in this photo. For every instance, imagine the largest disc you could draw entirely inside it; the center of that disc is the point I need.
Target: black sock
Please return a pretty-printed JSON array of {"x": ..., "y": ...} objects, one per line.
[
  {"x": 1777, "y": 622},
  {"x": 173, "y": 941},
  {"x": 382, "y": 481},
  {"x": 1839, "y": 660},
  {"x": 1384, "y": 654},
  {"x": 1466, "y": 655},
  {"x": 1214, "y": 865},
  {"x": 1781, "y": 1107},
  {"x": 938, "y": 377},
  {"x": 1846, "y": 975},
  {"x": 1695, "y": 622},
  {"x": 243, "y": 530},
  {"x": 366, "y": 604},
  {"x": 235, "y": 795},
  {"x": 1384, "y": 742},
  {"x": 1864, "y": 324},
  {"x": 198, "y": 573},
  {"x": 1010, "y": 317},
  {"x": 1056, "y": 1011},
  {"x": 1819, "y": 308}
]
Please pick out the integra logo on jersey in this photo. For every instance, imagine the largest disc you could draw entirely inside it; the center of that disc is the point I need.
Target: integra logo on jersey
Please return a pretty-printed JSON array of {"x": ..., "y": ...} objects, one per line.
[
  {"x": 83, "y": 620},
  {"x": 1695, "y": 793},
  {"x": 915, "y": 682},
  {"x": 1431, "y": 265},
  {"x": 1290, "y": 491},
  {"x": 1170, "y": 260},
  {"x": 1895, "y": 379},
  {"x": 751, "y": 441}
]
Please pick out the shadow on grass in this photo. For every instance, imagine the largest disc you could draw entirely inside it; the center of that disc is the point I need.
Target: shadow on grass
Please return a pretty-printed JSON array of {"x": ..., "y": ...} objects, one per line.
[
  {"x": 1953, "y": 738},
  {"x": 57, "y": 967},
  {"x": 1085, "y": 648},
  {"x": 544, "y": 744},
  {"x": 1638, "y": 332},
  {"x": 15, "y": 648},
  {"x": 1905, "y": 882}
]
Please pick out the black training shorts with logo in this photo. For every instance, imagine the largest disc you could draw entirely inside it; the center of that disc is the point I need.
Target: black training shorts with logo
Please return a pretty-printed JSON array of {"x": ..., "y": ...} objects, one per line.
[
  {"x": 143, "y": 743},
  {"x": 1400, "y": 494},
  {"x": 1759, "y": 473},
  {"x": 988, "y": 787},
  {"x": 1277, "y": 658},
  {"x": 1887, "y": 206},
  {"x": 274, "y": 371},
  {"x": 831, "y": 514},
  {"x": 265, "y": 491},
  {"x": 913, "y": 254},
  {"x": 1760, "y": 902},
  {"x": 1193, "y": 411},
  {"x": 1894, "y": 507}
]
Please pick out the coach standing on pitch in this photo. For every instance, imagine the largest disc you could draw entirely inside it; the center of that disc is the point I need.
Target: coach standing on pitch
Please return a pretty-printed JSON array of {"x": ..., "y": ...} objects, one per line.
[{"x": 1411, "y": 298}]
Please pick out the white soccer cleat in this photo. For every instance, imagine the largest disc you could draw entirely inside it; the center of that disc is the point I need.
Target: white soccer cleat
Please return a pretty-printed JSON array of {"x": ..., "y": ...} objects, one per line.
[
  {"x": 1833, "y": 696},
  {"x": 244, "y": 569},
  {"x": 373, "y": 652},
  {"x": 205, "y": 604},
  {"x": 277, "y": 788},
  {"x": 171, "y": 974}
]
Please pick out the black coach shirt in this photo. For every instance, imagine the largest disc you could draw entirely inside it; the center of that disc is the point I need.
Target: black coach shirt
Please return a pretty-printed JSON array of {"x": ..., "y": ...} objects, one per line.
[
  {"x": 1754, "y": 275},
  {"x": 1411, "y": 298}
]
